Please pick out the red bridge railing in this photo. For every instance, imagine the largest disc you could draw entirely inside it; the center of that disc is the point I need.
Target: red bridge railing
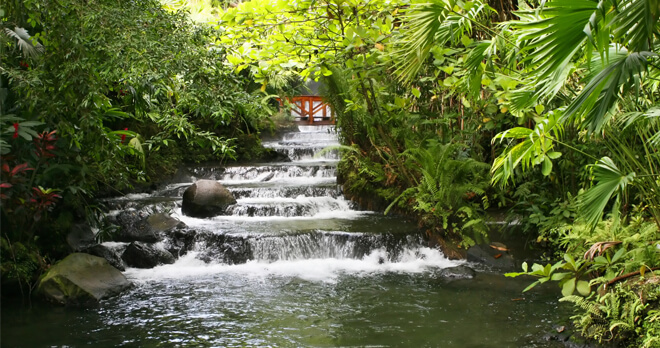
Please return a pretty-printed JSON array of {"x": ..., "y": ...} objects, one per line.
[{"x": 310, "y": 110}]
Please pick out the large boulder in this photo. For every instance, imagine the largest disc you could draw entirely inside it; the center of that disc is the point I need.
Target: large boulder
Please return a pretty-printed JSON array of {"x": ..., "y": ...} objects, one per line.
[
  {"x": 81, "y": 279},
  {"x": 206, "y": 198},
  {"x": 141, "y": 255}
]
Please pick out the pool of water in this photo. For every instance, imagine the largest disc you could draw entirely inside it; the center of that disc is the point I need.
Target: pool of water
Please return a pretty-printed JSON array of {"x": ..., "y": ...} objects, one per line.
[{"x": 277, "y": 305}]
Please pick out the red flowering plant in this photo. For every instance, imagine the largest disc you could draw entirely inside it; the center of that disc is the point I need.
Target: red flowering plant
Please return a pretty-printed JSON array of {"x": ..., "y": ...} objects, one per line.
[{"x": 23, "y": 154}]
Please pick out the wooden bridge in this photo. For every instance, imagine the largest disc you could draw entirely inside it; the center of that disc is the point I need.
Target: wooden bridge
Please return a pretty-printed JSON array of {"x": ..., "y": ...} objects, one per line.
[{"x": 310, "y": 110}]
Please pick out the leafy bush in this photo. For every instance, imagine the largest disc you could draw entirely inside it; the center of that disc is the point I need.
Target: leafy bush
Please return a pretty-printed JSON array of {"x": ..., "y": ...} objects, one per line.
[{"x": 614, "y": 269}]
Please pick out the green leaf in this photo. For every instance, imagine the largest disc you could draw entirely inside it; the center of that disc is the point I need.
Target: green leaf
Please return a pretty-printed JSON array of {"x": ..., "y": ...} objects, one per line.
[
  {"x": 527, "y": 153},
  {"x": 30, "y": 124},
  {"x": 466, "y": 41},
  {"x": 325, "y": 71},
  {"x": 530, "y": 286},
  {"x": 559, "y": 276},
  {"x": 416, "y": 92},
  {"x": 448, "y": 69},
  {"x": 25, "y": 134},
  {"x": 569, "y": 287},
  {"x": 434, "y": 25},
  {"x": 466, "y": 103},
  {"x": 554, "y": 36},
  {"x": 619, "y": 70},
  {"x": 234, "y": 60},
  {"x": 539, "y": 109},
  {"x": 600, "y": 259},
  {"x": 618, "y": 255},
  {"x": 583, "y": 288},
  {"x": 547, "y": 166},
  {"x": 553, "y": 155}
]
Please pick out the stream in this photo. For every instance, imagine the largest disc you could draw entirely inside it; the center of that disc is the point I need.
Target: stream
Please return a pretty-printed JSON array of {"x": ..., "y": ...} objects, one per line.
[{"x": 294, "y": 264}]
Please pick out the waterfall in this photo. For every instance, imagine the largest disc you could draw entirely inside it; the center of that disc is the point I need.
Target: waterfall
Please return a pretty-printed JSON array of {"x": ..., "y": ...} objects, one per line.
[
  {"x": 293, "y": 264},
  {"x": 287, "y": 215}
]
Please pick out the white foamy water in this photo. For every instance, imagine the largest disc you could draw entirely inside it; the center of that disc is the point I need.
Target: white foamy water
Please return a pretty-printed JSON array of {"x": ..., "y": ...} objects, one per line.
[
  {"x": 131, "y": 197},
  {"x": 223, "y": 221},
  {"x": 284, "y": 181},
  {"x": 318, "y": 270},
  {"x": 327, "y": 201}
]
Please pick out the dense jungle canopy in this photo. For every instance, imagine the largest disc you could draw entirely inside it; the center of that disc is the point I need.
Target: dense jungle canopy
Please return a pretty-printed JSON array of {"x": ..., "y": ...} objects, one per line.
[{"x": 450, "y": 111}]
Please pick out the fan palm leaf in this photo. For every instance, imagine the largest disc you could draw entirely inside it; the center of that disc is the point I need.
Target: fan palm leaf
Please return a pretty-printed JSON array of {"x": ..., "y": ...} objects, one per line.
[
  {"x": 650, "y": 120},
  {"x": 29, "y": 48},
  {"x": 550, "y": 38},
  {"x": 609, "y": 180},
  {"x": 563, "y": 32},
  {"x": 555, "y": 36},
  {"x": 431, "y": 24},
  {"x": 635, "y": 24},
  {"x": 611, "y": 74}
]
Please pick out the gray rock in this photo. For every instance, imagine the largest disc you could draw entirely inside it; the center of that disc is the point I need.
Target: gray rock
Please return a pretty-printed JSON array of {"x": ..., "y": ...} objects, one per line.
[
  {"x": 206, "y": 198},
  {"x": 134, "y": 227},
  {"x": 458, "y": 272},
  {"x": 80, "y": 237},
  {"x": 142, "y": 255},
  {"x": 268, "y": 177},
  {"x": 110, "y": 255},
  {"x": 81, "y": 279},
  {"x": 161, "y": 222},
  {"x": 225, "y": 248},
  {"x": 180, "y": 242}
]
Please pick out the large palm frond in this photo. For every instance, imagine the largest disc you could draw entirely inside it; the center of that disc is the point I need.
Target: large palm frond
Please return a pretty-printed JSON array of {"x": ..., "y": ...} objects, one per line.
[
  {"x": 551, "y": 36},
  {"x": 633, "y": 146},
  {"x": 619, "y": 71},
  {"x": 430, "y": 24},
  {"x": 636, "y": 24},
  {"x": 564, "y": 32},
  {"x": 649, "y": 120}
]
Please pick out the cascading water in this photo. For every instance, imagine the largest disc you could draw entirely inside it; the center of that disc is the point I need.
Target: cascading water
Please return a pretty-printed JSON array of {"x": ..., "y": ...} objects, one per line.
[
  {"x": 294, "y": 212},
  {"x": 293, "y": 264}
]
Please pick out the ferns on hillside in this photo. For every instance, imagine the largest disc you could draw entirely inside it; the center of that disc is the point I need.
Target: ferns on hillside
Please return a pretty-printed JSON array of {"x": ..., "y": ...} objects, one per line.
[
  {"x": 618, "y": 315},
  {"x": 448, "y": 189}
]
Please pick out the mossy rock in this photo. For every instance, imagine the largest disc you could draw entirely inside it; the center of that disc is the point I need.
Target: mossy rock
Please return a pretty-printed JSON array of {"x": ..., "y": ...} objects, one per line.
[{"x": 81, "y": 279}]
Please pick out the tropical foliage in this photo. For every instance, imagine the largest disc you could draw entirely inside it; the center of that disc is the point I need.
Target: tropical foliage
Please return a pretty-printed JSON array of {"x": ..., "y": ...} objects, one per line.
[
  {"x": 559, "y": 99},
  {"x": 99, "y": 96}
]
